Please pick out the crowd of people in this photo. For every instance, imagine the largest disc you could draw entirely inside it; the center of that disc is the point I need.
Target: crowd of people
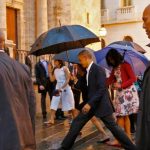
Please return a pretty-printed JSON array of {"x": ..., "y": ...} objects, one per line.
[{"x": 82, "y": 90}]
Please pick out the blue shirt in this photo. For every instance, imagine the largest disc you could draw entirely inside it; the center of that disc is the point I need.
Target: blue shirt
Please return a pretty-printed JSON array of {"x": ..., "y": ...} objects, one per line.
[{"x": 45, "y": 64}]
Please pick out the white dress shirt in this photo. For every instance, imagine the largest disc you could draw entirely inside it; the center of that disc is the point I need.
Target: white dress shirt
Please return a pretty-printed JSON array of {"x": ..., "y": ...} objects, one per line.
[{"x": 88, "y": 69}]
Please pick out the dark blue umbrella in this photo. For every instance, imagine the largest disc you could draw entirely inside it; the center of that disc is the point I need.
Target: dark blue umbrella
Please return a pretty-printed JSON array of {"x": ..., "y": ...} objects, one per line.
[
  {"x": 72, "y": 55},
  {"x": 62, "y": 39},
  {"x": 137, "y": 60}
]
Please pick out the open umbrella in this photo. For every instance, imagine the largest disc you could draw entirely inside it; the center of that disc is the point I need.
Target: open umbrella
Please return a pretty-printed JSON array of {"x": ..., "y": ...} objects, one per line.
[
  {"x": 38, "y": 43},
  {"x": 72, "y": 55},
  {"x": 63, "y": 38},
  {"x": 129, "y": 44},
  {"x": 137, "y": 60}
]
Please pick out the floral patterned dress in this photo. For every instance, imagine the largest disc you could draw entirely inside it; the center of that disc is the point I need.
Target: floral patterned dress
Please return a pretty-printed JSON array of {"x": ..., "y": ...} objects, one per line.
[{"x": 126, "y": 101}]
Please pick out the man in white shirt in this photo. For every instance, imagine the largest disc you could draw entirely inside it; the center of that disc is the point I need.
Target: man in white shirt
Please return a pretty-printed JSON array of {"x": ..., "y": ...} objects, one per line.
[{"x": 98, "y": 104}]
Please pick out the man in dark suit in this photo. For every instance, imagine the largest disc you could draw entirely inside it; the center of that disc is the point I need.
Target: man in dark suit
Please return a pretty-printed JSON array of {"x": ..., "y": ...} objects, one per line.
[
  {"x": 98, "y": 104},
  {"x": 44, "y": 83},
  {"x": 17, "y": 104},
  {"x": 143, "y": 121}
]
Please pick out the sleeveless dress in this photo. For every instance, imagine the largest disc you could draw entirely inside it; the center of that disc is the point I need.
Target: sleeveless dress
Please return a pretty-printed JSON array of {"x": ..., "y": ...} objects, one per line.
[
  {"x": 126, "y": 101},
  {"x": 66, "y": 98}
]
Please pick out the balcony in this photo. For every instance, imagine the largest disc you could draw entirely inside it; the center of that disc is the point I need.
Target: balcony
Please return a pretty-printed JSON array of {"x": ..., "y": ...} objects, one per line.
[
  {"x": 121, "y": 15},
  {"x": 126, "y": 14},
  {"x": 104, "y": 15}
]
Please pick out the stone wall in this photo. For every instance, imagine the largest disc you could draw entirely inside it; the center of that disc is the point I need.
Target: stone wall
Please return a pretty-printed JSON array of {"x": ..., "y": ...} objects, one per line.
[
  {"x": 30, "y": 20},
  {"x": 87, "y": 13}
]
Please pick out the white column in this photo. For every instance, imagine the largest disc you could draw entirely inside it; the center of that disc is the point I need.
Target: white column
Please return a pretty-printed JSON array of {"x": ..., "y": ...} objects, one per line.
[
  {"x": 3, "y": 16},
  {"x": 42, "y": 19}
]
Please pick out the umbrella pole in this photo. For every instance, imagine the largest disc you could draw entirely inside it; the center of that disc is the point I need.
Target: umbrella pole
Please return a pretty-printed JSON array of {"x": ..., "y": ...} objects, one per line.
[
  {"x": 67, "y": 58},
  {"x": 124, "y": 54}
]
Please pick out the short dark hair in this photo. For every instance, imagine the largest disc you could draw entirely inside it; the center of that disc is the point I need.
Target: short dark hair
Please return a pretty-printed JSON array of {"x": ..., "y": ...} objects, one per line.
[
  {"x": 86, "y": 52},
  {"x": 115, "y": 56}
]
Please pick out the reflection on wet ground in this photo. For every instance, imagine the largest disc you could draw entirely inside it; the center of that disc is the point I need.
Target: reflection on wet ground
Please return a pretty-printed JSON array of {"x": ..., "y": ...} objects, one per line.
[{"x": 49, "y": 138}]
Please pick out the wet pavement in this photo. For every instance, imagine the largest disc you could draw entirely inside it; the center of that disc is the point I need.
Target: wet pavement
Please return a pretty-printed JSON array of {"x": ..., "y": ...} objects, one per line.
[
  {"x": 48, "y": 138},
  {"x": 93, "y": 145},
  {"x": 51, "y": 137}
]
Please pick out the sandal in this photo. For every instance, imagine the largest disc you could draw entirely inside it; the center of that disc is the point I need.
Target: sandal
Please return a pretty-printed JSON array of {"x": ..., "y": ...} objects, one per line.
[{"x": 49, "y": 123}]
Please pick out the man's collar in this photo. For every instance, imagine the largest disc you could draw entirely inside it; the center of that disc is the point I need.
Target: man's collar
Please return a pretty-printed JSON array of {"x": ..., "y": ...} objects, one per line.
[
  {"x": 89, "y": 67},
  {"x": 42, "y": 60}
]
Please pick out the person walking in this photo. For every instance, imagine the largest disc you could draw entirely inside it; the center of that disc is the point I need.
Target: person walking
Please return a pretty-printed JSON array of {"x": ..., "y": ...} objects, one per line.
[
  {"x": 98, "y": 104},
  {"x": 63, "y": 94},
  {"x": 80, "y": 84},
  {"x": 126, "y": 101}
]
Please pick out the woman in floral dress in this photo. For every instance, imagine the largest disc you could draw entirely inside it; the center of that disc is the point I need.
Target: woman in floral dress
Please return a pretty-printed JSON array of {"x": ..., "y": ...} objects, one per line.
[{"x": 126, "y": 101}]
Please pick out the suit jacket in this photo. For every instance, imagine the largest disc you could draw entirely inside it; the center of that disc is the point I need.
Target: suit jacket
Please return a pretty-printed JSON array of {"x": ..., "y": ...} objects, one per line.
[
  {"x": 143, "y": 123},
  {"x": 41, "y": 77},
  {"x": 98, "y": 95},
  {"x": 82, "y": 86},
  {"x": 17, "y": 106}
]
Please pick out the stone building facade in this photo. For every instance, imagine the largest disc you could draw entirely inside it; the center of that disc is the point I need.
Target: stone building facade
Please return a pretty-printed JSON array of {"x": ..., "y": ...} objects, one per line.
[
  {"x": 123, "y": 20},
  {"x": 24, "y": 20}
]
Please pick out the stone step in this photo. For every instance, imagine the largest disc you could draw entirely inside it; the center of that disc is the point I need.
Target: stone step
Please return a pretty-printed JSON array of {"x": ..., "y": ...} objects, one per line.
[{"x": 51, "y": 137}]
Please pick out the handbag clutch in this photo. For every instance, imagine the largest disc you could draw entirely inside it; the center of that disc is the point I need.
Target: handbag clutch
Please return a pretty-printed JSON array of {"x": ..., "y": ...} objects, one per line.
[{"x": 56, "y": 93}]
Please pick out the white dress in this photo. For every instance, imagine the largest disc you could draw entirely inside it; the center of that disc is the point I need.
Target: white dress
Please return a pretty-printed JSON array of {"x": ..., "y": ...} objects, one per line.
[{"x": 66, "y": 98}]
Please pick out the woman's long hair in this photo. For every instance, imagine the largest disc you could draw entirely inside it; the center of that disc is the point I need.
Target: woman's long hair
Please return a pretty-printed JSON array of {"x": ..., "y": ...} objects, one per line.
[{"x": 115, "y": 56}]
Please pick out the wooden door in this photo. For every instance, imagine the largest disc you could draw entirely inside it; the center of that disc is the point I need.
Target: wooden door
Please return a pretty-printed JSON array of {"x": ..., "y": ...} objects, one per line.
[{"x": 12, "y": 25}]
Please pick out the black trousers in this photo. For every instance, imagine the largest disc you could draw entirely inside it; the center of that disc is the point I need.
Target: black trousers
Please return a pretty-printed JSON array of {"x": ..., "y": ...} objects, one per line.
[
  {"x": 79, "y": 122},
  {"x": 49, "y": 89}
]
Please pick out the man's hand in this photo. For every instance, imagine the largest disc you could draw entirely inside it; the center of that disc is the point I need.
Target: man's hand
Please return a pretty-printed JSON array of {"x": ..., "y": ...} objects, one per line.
[
  {"x": 42, "y": 87},
  {"x": 86, "y": 108}
]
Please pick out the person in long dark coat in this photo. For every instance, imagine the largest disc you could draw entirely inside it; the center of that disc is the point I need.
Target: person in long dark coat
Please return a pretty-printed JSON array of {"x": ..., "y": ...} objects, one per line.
[
  {"x": 143, "y": 127},
  {"x": 17, "y": 104}
]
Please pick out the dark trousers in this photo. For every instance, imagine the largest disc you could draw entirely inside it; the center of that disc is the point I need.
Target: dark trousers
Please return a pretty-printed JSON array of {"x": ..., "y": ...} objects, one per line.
[
  {"x": 79, "y": 122},
  {"x": 43, "y": 100},
  {"x": 133, "y": 121}
]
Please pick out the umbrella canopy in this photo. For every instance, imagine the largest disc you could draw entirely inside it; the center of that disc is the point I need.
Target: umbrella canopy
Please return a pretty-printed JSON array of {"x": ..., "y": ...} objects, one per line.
[
  {"x": 72, "y": 55},
  {"x": 137, "y": 60},
  {"x": 38, "y": 43},
  {"x": 63, "y": 38},
  {"x": 129, "y": 44}
]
